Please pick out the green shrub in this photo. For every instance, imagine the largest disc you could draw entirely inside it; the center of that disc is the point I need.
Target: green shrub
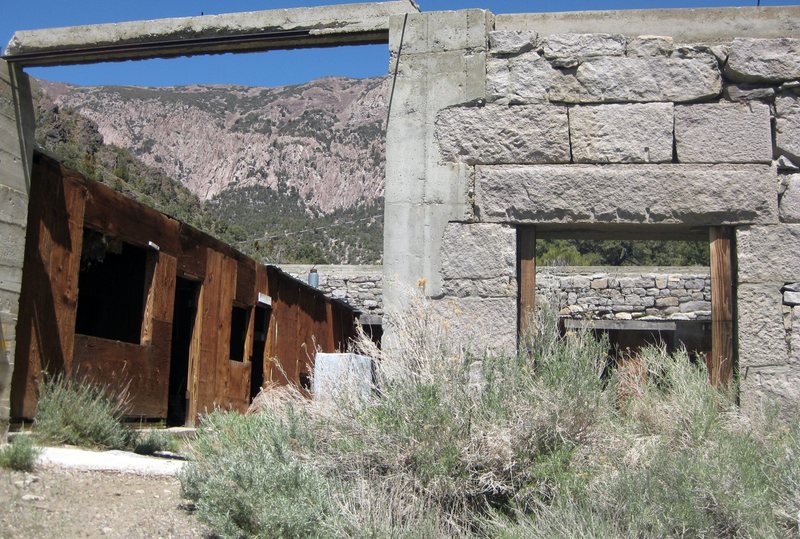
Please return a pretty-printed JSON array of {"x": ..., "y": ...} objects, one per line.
[
  {"x": 251, "y": 477},
  {"x": 153, "y": 441},
  {"x": 79, "y": 413},
  {"x": 543, "y": 444},
  {"x": 19, "y": 455}
]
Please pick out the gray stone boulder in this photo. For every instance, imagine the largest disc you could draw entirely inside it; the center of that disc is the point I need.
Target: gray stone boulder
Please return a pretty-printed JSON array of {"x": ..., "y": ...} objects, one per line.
[
  {"x": 639, "y": 80},
  {"x": 764, "y": 60},
  {"x": 569, "y": 50},
  {"x": 501, "y": 134},
  {"x": 790, "y": 201},
  {"x": 787, "y": 127},
  {"x": 510, "y": 42},
  {"x": 768, "y": 253},
  {"x": 479, "y": 260},
  {"x": 723, "y": 133},
  {"x": 649, "y": 46},
  {"x": 635, "y": 133}
]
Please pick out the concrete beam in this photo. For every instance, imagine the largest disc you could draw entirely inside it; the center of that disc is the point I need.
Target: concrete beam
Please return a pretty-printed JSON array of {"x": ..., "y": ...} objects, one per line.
[
  {"x": 324, "y": 26},
  {"x": 684, "y": 25}
]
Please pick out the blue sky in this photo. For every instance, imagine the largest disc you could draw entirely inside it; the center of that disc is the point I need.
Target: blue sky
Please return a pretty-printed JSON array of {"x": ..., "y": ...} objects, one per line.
[{"x": 257, "y": 69}]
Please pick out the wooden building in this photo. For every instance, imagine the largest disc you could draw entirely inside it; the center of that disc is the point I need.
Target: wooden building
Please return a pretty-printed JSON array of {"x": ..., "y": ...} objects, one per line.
[{"x": 122, "y": 294}]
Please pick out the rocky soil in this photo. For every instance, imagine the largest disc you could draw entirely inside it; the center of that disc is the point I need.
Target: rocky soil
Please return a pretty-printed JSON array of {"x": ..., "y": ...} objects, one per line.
[{"x": 53, "y": 502}]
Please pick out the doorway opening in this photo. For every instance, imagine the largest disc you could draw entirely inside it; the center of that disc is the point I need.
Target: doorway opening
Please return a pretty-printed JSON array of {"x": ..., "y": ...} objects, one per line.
[
  {"x": 261, "y": 316},
  {"x": 184, "y": 315}
]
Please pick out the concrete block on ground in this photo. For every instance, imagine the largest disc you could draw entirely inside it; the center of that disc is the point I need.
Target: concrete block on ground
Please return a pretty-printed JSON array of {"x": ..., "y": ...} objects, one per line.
[
  {"x": 666, "y": 194},
  {"x": 479, "y": 325},
  {"x": 723, "y": 133},
  {"x": 787, "y": 127},
  {"x": 768, "y": 253},
  {"x": 769, "y": 387},
  {"x": 649, "y": 46},
  {"x": 479, "y": 260},
  {"x": 638, "y": 80},
  {"x": 636, "y": 133},
  {"x": 502, "y": 134},
  {"x": 510, "y": 43},
  {"x": 342, "y": 376},
  {"x": 762, "y": 338},
  {"x": 790, "y": 200},
  {"x": 569, "y": 50},
  {"x": 764, "y": 60}
]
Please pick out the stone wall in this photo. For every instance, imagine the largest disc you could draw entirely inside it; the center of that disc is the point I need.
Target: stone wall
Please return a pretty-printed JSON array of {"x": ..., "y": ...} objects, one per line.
[
  {"x": 627, "y": 293},
  {"x": 360, "y": 286},
  {"x": 603, "y": 123}
]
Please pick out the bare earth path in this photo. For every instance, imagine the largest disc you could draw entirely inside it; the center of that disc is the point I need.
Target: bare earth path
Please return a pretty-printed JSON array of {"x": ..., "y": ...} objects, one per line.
[{"x": 55, "y": 502}]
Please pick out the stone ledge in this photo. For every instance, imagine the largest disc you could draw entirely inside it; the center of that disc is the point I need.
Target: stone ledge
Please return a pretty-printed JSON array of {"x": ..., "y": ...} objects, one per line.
[
  {"x": 636, "y": 194},
  {"x": 684, "y": 25}
]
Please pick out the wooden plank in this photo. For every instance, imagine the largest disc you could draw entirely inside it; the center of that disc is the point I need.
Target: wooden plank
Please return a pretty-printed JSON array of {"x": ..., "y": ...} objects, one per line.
[
  {"x": 159, "y": 292},
  {"x": 193, "y": 376},
  {"x": 119, "y": 216},
  {"x": 223, "y": 324},
  {"x": 526, "y": 271},
  {"x": 721, "y": 361},
  {"x": 246, "y": 282},
  {"x": 143, "y": 370}
]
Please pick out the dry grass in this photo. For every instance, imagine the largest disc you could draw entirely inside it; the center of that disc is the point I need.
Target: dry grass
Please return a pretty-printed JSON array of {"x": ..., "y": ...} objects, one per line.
[{"x": 540, "y": 444}]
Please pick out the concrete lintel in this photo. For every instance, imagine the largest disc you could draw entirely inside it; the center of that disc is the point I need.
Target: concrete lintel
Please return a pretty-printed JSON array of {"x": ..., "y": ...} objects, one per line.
[
  {"x": 684, "y": 25},
  {"x": 322, "y": 26},
  {"x": 621, "y": 325}
]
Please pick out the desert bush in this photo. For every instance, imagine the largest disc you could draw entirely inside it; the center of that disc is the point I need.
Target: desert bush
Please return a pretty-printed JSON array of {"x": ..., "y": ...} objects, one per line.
[
  {"x": 549, "y": 442},
  {"x": 79, "y": 413},
  {"x": 152, "y": 441},
  {"x": 252, "y": 477},
  {"x": 19, "y": 455}
]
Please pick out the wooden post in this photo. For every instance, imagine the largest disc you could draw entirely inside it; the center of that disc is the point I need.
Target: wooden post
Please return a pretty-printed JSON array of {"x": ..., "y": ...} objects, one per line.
[
  {"x": 720, "y": 364},
  {"x": 526, "y": 272}
]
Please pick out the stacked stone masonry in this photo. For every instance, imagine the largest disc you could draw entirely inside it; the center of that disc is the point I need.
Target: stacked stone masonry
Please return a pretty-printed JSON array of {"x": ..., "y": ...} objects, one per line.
[
  {"x": 359, "y": 286},
  {"x": 627, "y": 293},
  {"x": 594, "y": 130}
]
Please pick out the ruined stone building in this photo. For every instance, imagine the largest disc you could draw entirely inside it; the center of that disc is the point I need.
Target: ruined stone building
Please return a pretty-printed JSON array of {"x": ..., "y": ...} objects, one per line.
[{"x": 505, "y": 129}]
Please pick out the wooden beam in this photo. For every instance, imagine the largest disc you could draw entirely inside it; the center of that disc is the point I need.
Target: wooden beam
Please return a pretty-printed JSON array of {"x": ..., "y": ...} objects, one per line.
[
  {"x": 721, "y": 360},
  {"x": 526, "y": 272}
]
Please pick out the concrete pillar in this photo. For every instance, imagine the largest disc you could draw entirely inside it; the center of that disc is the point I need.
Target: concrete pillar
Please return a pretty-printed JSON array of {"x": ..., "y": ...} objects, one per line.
[
  {"x": 16, "y": 157},
  {"x": 437, "y": 60}
]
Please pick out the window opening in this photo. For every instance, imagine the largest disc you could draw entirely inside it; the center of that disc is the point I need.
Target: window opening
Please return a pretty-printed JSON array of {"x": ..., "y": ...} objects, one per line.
[{"x": 111, "y": 288}]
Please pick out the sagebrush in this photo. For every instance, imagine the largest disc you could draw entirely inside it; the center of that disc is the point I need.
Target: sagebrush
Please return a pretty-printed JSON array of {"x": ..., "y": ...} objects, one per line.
[
  {"x": 456, "y": 442},
  {"x": 76, "y": 412},
  {"x": 19, "y": 455}
]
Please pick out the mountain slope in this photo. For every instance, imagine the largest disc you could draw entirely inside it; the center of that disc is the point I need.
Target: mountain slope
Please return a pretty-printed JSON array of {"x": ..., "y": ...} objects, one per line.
[
  {"x": 323, "y": 139},
  {"x": 291, "y": 174}
]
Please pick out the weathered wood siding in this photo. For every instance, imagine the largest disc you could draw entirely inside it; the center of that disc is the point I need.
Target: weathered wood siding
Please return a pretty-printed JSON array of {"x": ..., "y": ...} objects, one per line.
[{"x": 62, "y": 203}]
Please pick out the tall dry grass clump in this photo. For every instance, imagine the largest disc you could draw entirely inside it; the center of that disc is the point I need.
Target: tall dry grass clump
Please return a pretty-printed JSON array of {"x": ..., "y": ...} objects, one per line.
[{"x": 547, "y": 442}]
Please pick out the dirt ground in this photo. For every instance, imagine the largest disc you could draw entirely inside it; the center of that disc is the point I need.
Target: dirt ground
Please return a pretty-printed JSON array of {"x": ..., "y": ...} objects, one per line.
[{"x": 53, "y": 502}]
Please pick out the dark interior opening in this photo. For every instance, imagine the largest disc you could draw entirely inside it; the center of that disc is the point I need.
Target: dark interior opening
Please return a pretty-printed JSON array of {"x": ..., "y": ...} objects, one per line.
[
  {"x": 183, "y": 318},
  {"x": 111, "y": 288},
  {"x": 261, "y": 316},
  {"x": 240, "y": 317},
  {"x": 374, "y": 332}
]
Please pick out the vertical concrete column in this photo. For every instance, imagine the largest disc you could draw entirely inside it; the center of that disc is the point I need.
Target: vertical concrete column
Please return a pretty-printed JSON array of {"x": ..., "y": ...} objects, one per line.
[
  {"x": 438, "y": 59},
  {"x": 16, "y": 157}
]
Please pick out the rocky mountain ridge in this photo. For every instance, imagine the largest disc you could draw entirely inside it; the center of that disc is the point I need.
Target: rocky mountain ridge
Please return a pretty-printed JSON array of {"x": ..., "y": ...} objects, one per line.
[{"x": 323, "y": 139}]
